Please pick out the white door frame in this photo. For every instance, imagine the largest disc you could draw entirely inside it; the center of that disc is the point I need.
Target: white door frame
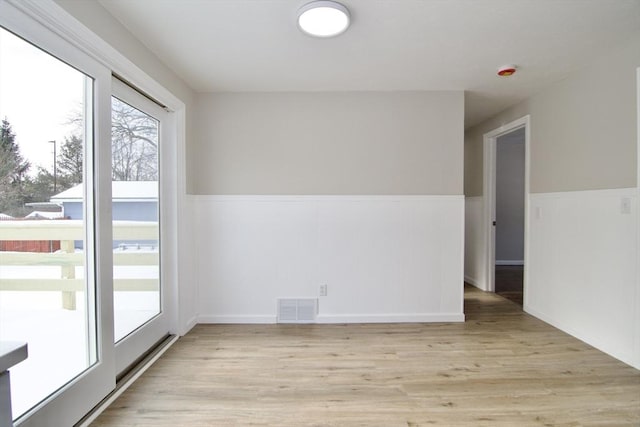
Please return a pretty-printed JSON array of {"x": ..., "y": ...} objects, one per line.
[
  {"x": 131, "y": 347},
  {"x": 489, "y": 199}
]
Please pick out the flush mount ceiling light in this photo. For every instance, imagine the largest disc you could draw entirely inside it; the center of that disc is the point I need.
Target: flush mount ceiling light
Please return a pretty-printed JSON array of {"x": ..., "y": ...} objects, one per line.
[{"x": 323, "y": 18}]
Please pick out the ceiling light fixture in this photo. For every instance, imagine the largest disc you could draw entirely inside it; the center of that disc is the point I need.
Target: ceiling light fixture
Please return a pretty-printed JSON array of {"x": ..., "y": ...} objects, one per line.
[{"x": 323, "y": 18}]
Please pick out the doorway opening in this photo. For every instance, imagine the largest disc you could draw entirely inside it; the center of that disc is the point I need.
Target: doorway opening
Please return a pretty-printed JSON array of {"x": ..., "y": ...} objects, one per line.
[
  {"x": 509, "y": 228},
  {"x": 506, "y": 189}
]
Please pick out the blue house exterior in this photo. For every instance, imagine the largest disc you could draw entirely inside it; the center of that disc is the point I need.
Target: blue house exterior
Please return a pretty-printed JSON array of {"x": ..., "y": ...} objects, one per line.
[
  {"x": 130, "y": 211},
  {"x": 132, "y": 201}
]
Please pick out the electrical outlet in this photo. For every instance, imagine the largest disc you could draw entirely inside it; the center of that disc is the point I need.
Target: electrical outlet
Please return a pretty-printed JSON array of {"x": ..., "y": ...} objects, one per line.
[{"x": 323, "y": 290}]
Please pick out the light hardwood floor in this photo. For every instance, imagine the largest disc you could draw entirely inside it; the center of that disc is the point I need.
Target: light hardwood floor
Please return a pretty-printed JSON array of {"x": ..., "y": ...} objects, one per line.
[{"x": 500, "y": 368}]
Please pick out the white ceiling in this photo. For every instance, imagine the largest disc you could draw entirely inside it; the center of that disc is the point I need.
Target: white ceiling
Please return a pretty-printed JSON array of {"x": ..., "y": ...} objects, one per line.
[{"x": 254, "y": 45}]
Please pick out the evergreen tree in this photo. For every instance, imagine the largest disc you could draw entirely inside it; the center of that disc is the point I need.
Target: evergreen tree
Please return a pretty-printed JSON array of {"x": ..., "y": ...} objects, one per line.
[
  {"x": 69, "y": 173},
  {"x": 70, "y": 163},
  {"x": 13, "y": 171},
  {"x": 40, "y": 188}
]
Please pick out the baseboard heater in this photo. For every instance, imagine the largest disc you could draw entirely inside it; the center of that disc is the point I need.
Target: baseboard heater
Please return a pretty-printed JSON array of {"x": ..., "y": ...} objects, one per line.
[{"x": 297, "y": 310}]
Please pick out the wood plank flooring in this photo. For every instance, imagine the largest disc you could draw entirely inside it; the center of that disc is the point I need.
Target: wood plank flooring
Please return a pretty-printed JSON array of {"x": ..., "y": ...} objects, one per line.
[{"x": 500, "y": 368}]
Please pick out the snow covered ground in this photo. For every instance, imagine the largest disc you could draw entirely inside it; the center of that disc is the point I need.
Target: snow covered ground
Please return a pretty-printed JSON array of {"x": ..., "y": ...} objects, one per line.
[{"x": 58, "y": 339}]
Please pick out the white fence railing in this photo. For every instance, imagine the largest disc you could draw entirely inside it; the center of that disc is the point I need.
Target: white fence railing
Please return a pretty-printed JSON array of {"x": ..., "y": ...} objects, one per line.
[{"x": 68, "y": 259}]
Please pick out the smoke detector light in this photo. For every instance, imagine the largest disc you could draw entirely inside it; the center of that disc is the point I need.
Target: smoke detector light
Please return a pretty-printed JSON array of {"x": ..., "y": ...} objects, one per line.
[
  {"x": 507, "y": 70},
  {"x": 323, "y": 18}
]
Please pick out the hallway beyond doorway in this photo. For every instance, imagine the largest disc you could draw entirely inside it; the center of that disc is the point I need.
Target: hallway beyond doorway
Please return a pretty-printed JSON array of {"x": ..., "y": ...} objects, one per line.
[{"x": 509, "y": 279}]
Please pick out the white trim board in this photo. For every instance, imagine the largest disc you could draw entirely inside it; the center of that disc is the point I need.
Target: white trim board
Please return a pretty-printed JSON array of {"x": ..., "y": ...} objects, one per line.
[
  {"x": 472, "y": 281},
  {"x": 392, "y": 318},
  {"x": 584, "y": 194},
  {"x": 321, "y": 197},
  {"x": 188, "y": 325},
  {"x": 238, "y": 319},
  {"x": 331, "y": 319},
  {"x": 489, "y": 190}
]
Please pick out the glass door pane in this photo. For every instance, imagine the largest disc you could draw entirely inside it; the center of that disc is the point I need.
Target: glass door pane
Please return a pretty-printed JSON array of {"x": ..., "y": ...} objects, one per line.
[
  {"x": 47, "y": 288},
  {"x": 136, "y": 239},
  {"x": 137, "y": 139}
]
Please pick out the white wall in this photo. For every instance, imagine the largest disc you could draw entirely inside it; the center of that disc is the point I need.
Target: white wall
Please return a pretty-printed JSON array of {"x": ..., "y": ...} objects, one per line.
[
  {"x": 360, "y": 191},
  {"x": 474, "y": 262},
  {"x": 510, "y": 165},
  {"x": 383, "y": 258},
  {"x": 583, "y": 267}
]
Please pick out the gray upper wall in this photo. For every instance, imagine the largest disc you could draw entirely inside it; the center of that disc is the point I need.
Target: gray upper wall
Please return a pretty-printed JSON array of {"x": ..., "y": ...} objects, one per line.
[
  {"x": 583, "y": 129},
  {"x": 329, "y": 143}
]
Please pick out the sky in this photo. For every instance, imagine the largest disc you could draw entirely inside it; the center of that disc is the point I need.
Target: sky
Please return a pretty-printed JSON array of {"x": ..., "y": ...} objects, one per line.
[{"x": 38, "y": 94}]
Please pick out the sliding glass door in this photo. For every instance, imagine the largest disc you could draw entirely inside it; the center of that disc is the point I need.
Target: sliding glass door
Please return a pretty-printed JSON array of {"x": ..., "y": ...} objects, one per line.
[
  {"x": 54, "y": 281},
  {"x": 136, "y": 140},
  {"x": 47, "y": 280},
  {"x": 82, "y": 250}
]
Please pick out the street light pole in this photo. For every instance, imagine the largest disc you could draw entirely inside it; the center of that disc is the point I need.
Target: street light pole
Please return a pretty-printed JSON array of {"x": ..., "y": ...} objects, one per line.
[{"x": 55, "y": 169}]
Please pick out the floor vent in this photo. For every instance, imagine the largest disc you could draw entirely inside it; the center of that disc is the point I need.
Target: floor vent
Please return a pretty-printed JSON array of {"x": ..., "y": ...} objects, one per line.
[{"x": 297, "y": 310}]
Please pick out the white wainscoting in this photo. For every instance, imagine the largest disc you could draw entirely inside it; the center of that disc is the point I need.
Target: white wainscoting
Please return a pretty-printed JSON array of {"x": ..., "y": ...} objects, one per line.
[
  {"x": 187, "y": 267},
  {"x": 383, "y": 258},
  {"x": 583, "y": 272},
  {"x": 474, "y": 247}
]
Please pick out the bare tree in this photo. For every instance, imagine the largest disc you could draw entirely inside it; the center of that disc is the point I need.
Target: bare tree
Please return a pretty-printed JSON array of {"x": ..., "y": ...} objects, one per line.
[{"x": 134, "y": 143}]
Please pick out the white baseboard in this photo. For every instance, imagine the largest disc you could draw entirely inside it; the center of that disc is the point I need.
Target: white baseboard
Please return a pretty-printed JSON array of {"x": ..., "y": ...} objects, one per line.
[
  {"x": 189, "y": 325},
  {"x": 472, "y": 281},
  {"x": 510, "y": 262},
  {"x": 237, "y": 319},
  {"x": 391, "y": 318},
  {"x": 349, "y": 318}
]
